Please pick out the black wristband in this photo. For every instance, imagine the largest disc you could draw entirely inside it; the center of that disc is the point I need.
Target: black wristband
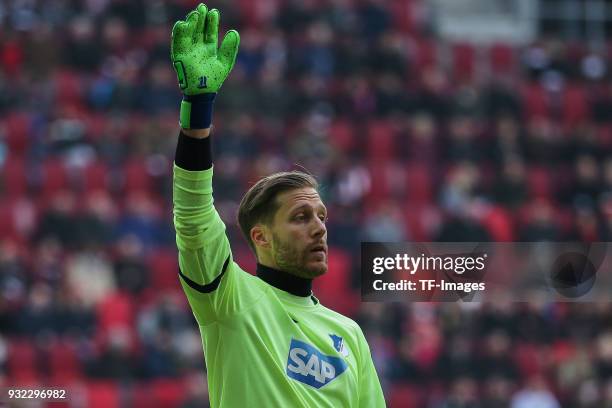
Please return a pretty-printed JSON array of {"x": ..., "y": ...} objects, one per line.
[
  {"x": 197, "y": 110},
  {"x": 193, "y": 154}
]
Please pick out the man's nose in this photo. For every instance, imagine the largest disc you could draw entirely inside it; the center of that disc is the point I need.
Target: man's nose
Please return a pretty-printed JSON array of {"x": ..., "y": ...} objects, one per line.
[{"x": 320, "y": 228}]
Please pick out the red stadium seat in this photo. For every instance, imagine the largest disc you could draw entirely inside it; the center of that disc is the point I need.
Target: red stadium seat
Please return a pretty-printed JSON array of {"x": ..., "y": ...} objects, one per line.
[
  {"x": 11, "y": 56},
  {"x": 68, "y": 88},
  {"x": 426, "y": 54},
  {"x": 535, "y": 101},
  {"x": 339, "y": 276},
  {"x": 102, "y": 394},
  {"x": 499, "y": 224},
  {"x": 64, "y": 364},
  {"x": 342, "y": 136},
  {"x": 54, "y": 176},
  {"x": 421, "y": 220},
  {"x": 403, "y": 14},
  {"x": 404, "y": 395},
  {"x": 7, "y": 226},
  {"x": 137, "y": 178},
  {"x": 334, "y": 288},
  {"x": 96, "y": 126},
  {"x": 168, "y": 393},
  {"x": 381, "y": 142},
  {"x": 502, "y": 58},
  {"x": 420, "y": 184},
  {"x": 13, "y": 176},
  {"x": 575, "y": 106},
  {"x": 18, "y": 218},
  {"x": 163, "y": 393},
  {"x": 163, "y": 264},
  {"x": 540, "y": 182},
  {"x": 22, "y": 361},
  {"x": 464, "y": 61},
  {"x": 380, "y": 188},
  {"x": 96, "y": 176},
  {"x": 141, "y": 396},
  {"x": 527, "y": 358},
  {"x": 115, "y": 310},
  {"x": 17, "y": 128}
]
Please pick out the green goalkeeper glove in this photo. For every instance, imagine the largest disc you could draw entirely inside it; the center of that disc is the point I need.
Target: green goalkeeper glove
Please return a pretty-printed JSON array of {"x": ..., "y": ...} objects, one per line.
[{"x": 200, "y": 67}]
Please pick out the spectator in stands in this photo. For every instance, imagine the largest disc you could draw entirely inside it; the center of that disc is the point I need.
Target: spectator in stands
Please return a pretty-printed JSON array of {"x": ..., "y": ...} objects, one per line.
[{"x": 535, "y": 394}]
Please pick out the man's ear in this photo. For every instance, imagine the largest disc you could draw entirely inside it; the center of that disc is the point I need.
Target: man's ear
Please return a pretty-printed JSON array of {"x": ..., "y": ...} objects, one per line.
[{"x": 260, "y": 236}]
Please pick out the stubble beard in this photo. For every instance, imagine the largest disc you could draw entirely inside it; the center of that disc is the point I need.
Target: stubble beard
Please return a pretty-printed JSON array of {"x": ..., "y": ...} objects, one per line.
[{"x": 289, "y": 259}]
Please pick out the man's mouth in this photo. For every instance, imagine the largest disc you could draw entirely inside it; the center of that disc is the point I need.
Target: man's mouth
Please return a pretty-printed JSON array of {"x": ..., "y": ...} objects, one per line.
[{"x": 319, "y": 248}]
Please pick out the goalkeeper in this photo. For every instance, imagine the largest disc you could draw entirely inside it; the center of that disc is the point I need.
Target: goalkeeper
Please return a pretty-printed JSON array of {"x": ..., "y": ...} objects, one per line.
[{"x": 268, "y": 341}]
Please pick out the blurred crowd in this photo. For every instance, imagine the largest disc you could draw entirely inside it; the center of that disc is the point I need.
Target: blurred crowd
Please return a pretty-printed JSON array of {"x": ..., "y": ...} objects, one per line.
[{"x": 411, "y": 137}]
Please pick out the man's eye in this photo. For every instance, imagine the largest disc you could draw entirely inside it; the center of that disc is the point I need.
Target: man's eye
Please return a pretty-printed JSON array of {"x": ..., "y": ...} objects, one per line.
[
  {"x": 300, "y": 217},
  {"x": 323, "y": 218}
]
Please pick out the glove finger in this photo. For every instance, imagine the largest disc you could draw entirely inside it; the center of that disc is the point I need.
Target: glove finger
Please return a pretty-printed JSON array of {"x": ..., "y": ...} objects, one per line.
[
  {"x": 211, "y": 35},
  {"x": 198, "y": 34},
  {"x": 229, "y": 48},
  {"x": 191, "y": 21},
  {"x": 180, "y": 31}
]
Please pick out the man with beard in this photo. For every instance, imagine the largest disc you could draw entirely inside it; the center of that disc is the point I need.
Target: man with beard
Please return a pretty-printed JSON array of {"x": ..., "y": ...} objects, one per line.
[{"x": 267, "y": 340}]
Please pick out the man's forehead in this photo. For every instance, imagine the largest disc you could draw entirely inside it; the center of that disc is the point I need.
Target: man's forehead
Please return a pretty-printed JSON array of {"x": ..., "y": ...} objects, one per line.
[{"x": 301, "y": 196}]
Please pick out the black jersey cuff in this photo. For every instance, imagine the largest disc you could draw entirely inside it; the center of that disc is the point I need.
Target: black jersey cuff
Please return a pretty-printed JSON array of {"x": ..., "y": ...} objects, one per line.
[{"x": 193, "y": 154}]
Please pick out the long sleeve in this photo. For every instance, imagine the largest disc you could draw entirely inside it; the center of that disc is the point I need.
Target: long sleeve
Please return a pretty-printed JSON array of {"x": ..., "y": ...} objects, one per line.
[
  {"x": 370, "y": 391},
  {"x": 204, "y": 250}
]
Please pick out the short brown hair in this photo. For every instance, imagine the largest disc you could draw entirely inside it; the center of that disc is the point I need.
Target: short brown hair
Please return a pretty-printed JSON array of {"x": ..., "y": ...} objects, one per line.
[{"x": 259, "y": 203}]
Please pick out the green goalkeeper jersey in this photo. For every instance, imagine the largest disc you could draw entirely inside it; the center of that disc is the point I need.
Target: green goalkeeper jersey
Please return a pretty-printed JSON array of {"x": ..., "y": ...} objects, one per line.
[{"x": 263, "y": 347}]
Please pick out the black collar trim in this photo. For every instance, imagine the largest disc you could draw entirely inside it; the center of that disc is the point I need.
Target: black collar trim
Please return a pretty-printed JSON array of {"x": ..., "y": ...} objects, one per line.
[{"x": 284, "y": 281}]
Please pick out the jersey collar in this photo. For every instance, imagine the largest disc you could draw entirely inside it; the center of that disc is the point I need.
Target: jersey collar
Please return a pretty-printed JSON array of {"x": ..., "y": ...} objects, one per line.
[{"x": 285, "y": 281}]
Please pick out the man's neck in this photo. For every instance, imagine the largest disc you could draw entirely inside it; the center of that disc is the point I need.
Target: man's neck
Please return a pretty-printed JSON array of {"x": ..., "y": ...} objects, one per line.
[{"x": 285, "y": 281}]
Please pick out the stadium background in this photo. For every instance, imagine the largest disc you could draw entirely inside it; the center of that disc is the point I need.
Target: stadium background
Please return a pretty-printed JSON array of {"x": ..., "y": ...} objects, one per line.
[{"x": 413, "y": 136}]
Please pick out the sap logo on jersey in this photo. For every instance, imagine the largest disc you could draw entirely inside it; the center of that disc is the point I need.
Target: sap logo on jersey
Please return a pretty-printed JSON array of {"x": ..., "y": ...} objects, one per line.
[{"x": 309, "y": 366}]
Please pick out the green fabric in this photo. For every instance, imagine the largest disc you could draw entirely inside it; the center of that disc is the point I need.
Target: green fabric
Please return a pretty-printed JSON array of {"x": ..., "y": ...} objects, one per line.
[
  {"x": 199, "y": 66},
  {"x": 185, "y": 115},
  {"x": 249, "y": 330}
]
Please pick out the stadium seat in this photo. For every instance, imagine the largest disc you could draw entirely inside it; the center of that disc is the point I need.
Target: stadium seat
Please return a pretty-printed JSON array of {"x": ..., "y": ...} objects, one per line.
[
  {"x": 499, "y": 224},
  {"x": 403, "y": 14},
  {"x": 342, "y": 136},
  {"x": 141, "y": 396},
  {"x": 11, "y": 56},
  {"x": 22, "y": 361},
  {"x": 419, "y": 183},
  {"x": 64, "y": 363},
  {"x": 96, "y": 125},
  {"x": 68, "y": 88},
  {"x": 168, "y": 392},
  {"x": 575, "y": 106},
  {"x": 163, "y": 264},
  {"x": 502, "y": 58},
  {"x": 7, "y": 226},
  {"x": 540, "y": 182},
  {"x": 115, "y": 310},
  {"x": 464, "y": 61},
  {"x": 535, "y": 101},
  {"x": 102, "y": 394},
  {"x": 381, "y": 143},
  {"x": 54, "y": 176},
  {"x": 95, "y": 176},
  {"x": 404, "y": 395},
  {"x": 380, "y": 187},
  {"x": 17, "y": 129},
  {"x": 136, "y": 176},
  {"x": 421, "y": 221},
  {"x": 334, "y": 288},
  {"x": 425, "y": 54},
  {"x": 13, "y": 176},
  {"x": 336, "y": 282}
]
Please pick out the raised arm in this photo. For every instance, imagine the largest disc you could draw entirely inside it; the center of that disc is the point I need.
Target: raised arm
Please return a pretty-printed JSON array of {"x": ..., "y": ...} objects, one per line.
[{"x": 205, "y": 259}]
